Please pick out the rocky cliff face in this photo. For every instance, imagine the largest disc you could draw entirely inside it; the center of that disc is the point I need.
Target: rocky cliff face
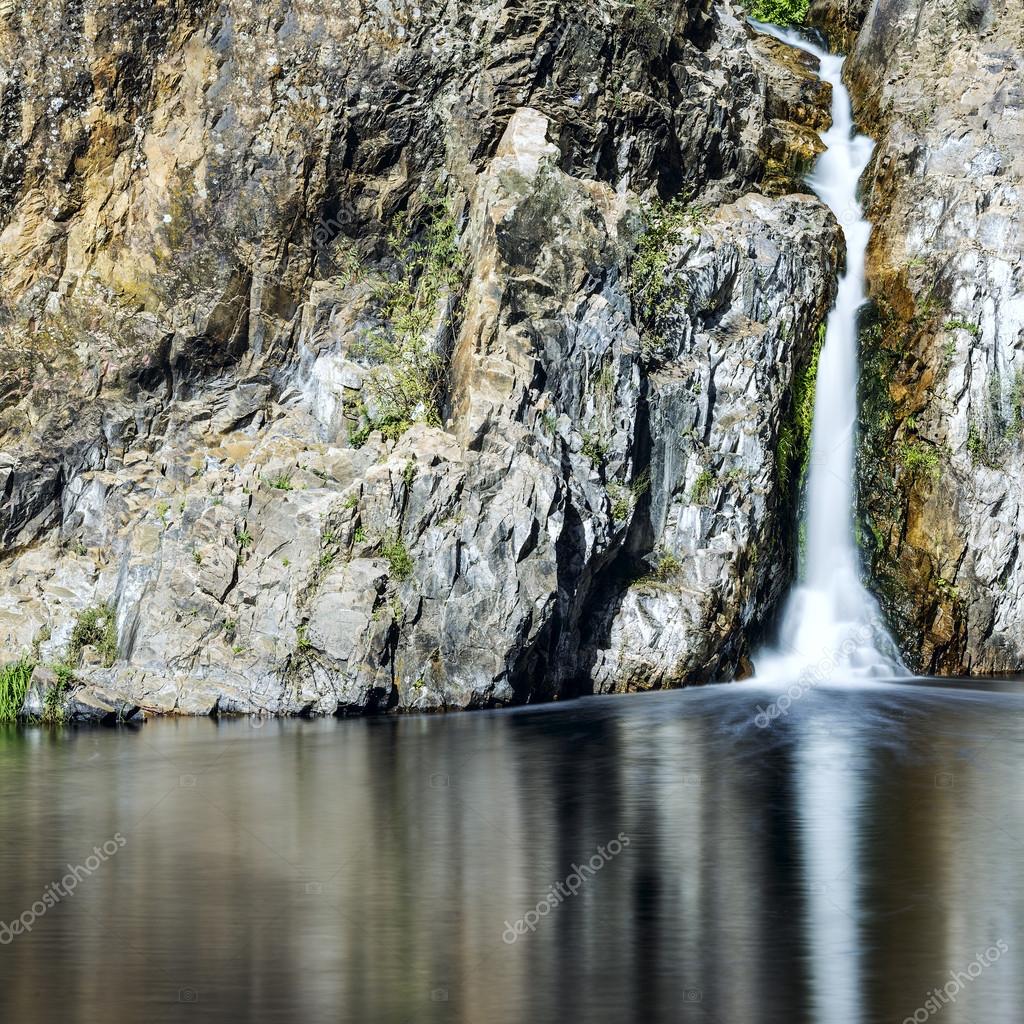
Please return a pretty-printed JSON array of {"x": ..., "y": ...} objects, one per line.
[
  {"x": 941, "y": 87},
  {"x": 384, "y": 357}
]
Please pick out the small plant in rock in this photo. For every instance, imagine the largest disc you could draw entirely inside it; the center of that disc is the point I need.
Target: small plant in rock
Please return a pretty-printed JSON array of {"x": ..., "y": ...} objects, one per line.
[
  {"x": 595, "y": 448},
  {"x": 281, "y": 482},
  {"x": 302, "y": 642},
  {"x": 701, "y": 490},
  {"x": 977, "y": 447},
  {"x": 667, "y": 566},
  {"x": 95, "y": 627},
  {"x": 244, "y": 538},
  {"x": 920, "y": 458},
  {"x": 163, "y": 508},
  {"x": 53, "y": 699},
  {"x": 350, "y": 502},
  {"x": 394, "y": 550},
  {"x": 959, "y": 324},
  {"x": 621, "y": 501},
  {"x": 359, "y": 536},
  {"x": 624, "y": 499}
]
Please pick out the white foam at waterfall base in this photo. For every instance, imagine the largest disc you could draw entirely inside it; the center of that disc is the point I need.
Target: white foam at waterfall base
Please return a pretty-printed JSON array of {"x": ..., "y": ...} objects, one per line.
[{"x": 832, "y": 627}]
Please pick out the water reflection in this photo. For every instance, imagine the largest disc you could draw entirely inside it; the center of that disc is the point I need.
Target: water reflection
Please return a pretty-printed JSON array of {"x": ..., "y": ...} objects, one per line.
[{"x": 834, "y": 867}]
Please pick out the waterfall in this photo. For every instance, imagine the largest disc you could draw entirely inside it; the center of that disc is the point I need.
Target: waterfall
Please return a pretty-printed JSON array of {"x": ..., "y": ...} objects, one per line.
[{"x": 831, "y": 625}]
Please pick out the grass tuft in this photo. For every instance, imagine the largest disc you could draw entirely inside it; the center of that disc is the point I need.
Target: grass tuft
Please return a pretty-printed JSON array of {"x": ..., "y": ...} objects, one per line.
[{"x": 14, "y": 683}]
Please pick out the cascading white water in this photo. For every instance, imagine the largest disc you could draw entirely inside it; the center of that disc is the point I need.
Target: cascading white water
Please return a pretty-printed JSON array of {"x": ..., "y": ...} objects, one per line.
[{"x": 831, "y": 625}]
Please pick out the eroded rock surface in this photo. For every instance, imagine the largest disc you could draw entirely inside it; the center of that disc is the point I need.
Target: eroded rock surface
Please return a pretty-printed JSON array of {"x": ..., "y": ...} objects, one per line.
[{"x": 210, "y": 216}]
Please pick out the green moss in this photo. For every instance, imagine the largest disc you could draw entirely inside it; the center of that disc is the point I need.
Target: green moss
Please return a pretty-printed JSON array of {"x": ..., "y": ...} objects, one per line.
[
  {"x": 778, "y": 12},
  {"x": 793, "y": 448},
  {"x": 14, "y": 682}
]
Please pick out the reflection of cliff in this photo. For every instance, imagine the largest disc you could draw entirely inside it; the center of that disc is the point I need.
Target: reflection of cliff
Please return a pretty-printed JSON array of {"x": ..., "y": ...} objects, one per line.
[{"x": 364, "y": 871}]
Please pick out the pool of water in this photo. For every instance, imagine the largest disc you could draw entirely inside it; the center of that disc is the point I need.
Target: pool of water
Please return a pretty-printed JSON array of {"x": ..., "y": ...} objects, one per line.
[{"x": 712, "y": 855}]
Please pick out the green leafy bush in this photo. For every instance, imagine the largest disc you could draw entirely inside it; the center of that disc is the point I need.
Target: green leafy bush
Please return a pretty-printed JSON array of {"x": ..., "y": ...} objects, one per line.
[{"x": 779, "y": 12}]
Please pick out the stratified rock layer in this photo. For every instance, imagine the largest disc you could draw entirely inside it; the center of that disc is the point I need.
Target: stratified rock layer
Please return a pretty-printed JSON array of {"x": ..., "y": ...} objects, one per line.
[{"x": 209, "y": 215}]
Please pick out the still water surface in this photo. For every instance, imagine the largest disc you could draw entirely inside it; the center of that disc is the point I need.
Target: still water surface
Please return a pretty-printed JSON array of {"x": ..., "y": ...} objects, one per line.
[{"x": 834, "y": 867}]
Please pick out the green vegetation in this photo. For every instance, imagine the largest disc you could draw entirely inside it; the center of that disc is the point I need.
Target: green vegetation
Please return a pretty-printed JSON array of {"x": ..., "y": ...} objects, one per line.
[
  {"x": 302, "y": 642},
  {"x": 595, "y": 448},
  {"x": 624, "y": 499},
  {"x": 244, "y": 538},
  {"x": 1015, "y": 428},
  {"x": 653, "y": 294},
  {"x": 94, "y": 627},
  {"x": 794, "y": 444},
  {"x": 668, "y": 565},
  {"x": 14, "y": 683},
  {"x": 778, "y": 12},
  {"x": 394, "y": 550},
  {"x": 281, "y": 482},
  {"x": 53, "y": 699},
  {"x": 701, "y": 490},
  {"x": 920, "y": 458},
  {"x": 957, "y": 324},
  {"x": 405, "y": 382},
  {"x": 350, "y": 502},
  {"x": 977, "y": 446}
]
